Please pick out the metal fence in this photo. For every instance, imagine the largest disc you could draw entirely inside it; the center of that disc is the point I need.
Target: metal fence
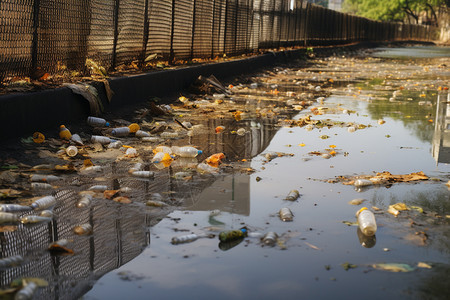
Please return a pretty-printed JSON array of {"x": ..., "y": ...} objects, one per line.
[{"x": 59, "y": 34}]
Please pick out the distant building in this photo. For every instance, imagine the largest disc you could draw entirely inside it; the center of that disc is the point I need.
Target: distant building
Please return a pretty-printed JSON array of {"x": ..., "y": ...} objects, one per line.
[{"x": 335, "y": 4}]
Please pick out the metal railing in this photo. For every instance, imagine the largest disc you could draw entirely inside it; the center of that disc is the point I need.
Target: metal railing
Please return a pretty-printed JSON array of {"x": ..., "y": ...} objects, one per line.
[{"x": 55, "y": 35}]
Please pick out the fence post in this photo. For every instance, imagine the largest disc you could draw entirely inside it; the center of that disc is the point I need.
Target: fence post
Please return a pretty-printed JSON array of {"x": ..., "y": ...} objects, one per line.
[
  {"x": 146, "y": 33},
  {"x": 193, "y": 28},
  {"x": 34, "y": 42},
  {"x": 212, "y": 28},
  {"x": 236, "y": 14},
  {"x": 305, "y": 30},
  {"x": 225, "y": 30},
  {"x": 116, "y": 33},
  {"x": 171, "y": 53}
]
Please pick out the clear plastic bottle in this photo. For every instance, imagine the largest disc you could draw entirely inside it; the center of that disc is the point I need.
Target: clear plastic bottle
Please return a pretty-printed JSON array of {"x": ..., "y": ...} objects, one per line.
[
  {"x": 163, "y": 149},
  {"x": 286, "y": 214},
  {"x": 44, "y": 178},
  {"x": 362, "y": 182},
  {"x": 270, "y": 238},
  {"x": 142, "y": 133},
  {"x": 161, "y": 157},
  {"x": 72, "y": 151},
  {"x": 186, "y": 151},
  {"x": 120, "y": 131},
  {"x": 366, "y": 221},
  {"x": 44, "y": 203},
  {"x": 97, "y": 122},
  {"x": 104, "y": 140}
]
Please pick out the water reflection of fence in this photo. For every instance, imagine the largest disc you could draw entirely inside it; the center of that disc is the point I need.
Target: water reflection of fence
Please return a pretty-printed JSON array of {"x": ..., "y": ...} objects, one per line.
[
  {"x": 441, "y": 136},
  {"x": 121, "y": 231},
  {"x": 120, "y": 235},
  {"x": 52, "y": 35}
]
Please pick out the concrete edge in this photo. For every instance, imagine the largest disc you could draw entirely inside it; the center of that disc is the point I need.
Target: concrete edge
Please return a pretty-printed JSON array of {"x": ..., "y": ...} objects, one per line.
[{"x": 24, "y": 113}]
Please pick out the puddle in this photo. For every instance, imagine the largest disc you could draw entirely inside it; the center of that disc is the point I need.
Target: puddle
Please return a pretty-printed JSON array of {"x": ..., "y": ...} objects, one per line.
[{"x": 399, "y": 110}]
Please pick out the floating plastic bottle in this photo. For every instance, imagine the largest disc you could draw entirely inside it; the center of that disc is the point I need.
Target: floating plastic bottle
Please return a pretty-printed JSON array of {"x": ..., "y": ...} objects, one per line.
[
  {"x": 293, "y": 195},
  {"x": 83, "y": 229},
  {"x": 185, "y": 239},
  {"x": 72, "y": 151},
  {"x": 121, "y": 131},
  {"x": 351, "y": 129},
  {"x": 104, "y": 140},
  {"x": 85, "y": 201},
  {"x": 226, "y": 236},
  {"x": 366, "y": 221},
  {"x": 186, "y": 151},
  {"x": 97, "y": 122},
  {"x": 270, "y": 238},
  {"x": 6, "y": 217},
  {"x": 286, "y": 214},
  {"x": 44, "y": 178},
  {"x": 35, "y": 219},
  {"x": 362, "y": 182},
  {"x": 64, "y": 133},
  {"x": 14, "y": 208},
  {"x": 11, "y": 261},
  {"x": 27, "y": 292},
  {"x": 44, "y": 203},
  {"x": 205, "y": 168}
]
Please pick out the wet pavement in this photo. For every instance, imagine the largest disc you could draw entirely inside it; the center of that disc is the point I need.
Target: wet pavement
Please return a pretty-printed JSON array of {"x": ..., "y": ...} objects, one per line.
[{"x": 314, "y": 127}]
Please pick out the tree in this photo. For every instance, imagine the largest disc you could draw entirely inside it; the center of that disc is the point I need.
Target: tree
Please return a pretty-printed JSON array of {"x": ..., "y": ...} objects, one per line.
[{"x": 395, "y": 10}]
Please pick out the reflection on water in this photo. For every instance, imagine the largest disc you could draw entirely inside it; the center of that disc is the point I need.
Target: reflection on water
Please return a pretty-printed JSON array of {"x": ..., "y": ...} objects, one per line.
[
  {"x": 441, "y": 137},
  {"x": 412, "y": 52}
]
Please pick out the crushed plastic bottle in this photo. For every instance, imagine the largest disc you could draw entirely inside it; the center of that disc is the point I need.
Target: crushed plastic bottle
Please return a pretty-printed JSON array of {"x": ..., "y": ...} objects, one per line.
[
  {"x": 169, "y": 135},
  {"x": 186, "y": 151},
  {"x": 185, "y": 239},
  {"x": 97, "y": 122},
  {"x": 366, "y": 221}
]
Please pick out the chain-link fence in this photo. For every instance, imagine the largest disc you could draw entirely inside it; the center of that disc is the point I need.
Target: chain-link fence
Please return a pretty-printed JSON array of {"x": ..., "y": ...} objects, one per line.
[{"x": 55, "y": 34}]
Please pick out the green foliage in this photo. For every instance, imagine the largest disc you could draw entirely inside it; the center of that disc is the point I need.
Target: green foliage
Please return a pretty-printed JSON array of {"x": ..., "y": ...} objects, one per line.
[{"x": 392, "y": 10}]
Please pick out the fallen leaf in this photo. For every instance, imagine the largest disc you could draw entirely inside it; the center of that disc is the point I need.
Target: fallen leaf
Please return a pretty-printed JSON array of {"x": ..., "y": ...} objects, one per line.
[
  {"x": 423, "y": 265},
  {"x": 357, "y": 201},
  {"x": 109, "y": 194},
  {"x": 348, "y": 266},
  {"x": 393, "y": 267},
  {"x": 348, "y": 223},
  {"x": 122, "y": 199}
]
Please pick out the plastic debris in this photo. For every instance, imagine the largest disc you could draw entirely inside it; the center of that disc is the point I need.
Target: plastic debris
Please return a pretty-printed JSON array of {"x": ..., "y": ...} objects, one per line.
[
  {"x": 366, "y": 221},
  {"x": 393, "y": 267}
]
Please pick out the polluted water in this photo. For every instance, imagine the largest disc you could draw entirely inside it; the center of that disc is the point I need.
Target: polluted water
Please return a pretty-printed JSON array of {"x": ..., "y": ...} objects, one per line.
[{"x": 256, "y": 205}]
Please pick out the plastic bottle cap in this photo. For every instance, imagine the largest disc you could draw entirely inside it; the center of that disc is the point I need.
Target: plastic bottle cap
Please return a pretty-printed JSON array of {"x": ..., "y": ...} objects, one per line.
[
  {"x": 200, "y": 152},
  {"x": 107, "y": 124},
  {"x": 359, "y": 211}
]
